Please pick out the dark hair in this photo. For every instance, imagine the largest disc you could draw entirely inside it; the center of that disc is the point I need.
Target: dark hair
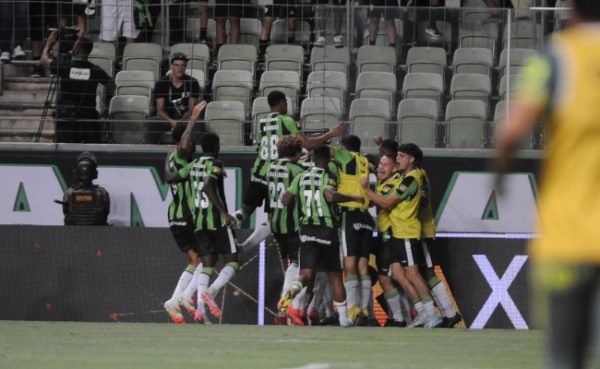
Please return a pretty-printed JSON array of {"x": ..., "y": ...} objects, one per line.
[
  {"x": 321, "y": 152},
  {"x": 289, "y": 146},
  {"x": 179, "y": 56},
  {"x": 412, "y": 150},
  {"x": 588, "y": 10},
  {"x": 85, "y": 46},
  {"x": 351, "y": 142},
  {"x": 210, "y": 142},
  {"x": 275, "y": 97},
  {"x": 390, "y": 147}
]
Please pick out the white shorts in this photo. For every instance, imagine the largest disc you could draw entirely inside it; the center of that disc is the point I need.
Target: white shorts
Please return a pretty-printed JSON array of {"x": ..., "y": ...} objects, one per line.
[{"x": 117, "y": 15}]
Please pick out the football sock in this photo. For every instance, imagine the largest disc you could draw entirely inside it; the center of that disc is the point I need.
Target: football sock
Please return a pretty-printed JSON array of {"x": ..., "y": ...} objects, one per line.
[
  {"x": 203, "y": 280},
  {"x": 342, "y": 309},
  {"x": 351, "y": 286},
  {"x": 441, "y": 297},
  {"x": 225, "y": 275},
  {"x": 191, "y": 288},
  {"x": 184, "y": 281},
  {"x": 419, "y": 306},
  {"x": 406, "y": 306},
  {"x": 428, "y": 306},
  {"x": 261, "y": 232},
  {"x": 298, "y": 302},
  {"x": 291, "y": 273},
  {"x": 365, "y": 291},
  {"x": 393, "y": 299}
]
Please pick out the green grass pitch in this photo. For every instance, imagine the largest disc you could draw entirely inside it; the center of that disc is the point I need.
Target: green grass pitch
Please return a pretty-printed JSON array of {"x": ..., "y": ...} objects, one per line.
[{"x": 48, "y": 345}]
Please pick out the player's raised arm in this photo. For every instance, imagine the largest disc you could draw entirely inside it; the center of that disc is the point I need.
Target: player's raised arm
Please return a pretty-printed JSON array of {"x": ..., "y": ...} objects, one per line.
[
  {"x": 310, "y": 142},
  {"x": 381, "y": 201},
  {"x": 186, "y": 138}
]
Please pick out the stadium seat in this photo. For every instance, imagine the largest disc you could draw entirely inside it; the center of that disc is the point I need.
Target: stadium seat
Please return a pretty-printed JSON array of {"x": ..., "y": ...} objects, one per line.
[
  {"x": 128, "y": 115},
  {"x": 369, "y": 118},
  {"x": 499, "y": 113},
  {"x": 473, "y": 60},
  {"x": 328, "y": 83},
  {"x": 471, "y": 86},
  {"x": 426, "y": 60},
  {"x": 101, "y": 100},
  {"x": 513, "y": 79},
  {"x": 465, "y": 121},
  {"x": 376, "y": 59},
  {"x": 237, "y": 57},
  {"x": 330, "y": 58},
  {"x": 192, "y": 30},
  {"x": 226, "y": 118},
  {"x": 382, "y": 38},
  {"x": 285, "y": 81},
  {"x": 249, "y": 31},
  {"x": 134, "y": 82},
  {"x": 416, "y": 121},
  {"x": 104, "y": 55},
  {"x": 379, "y": 85},
  {"x": 478, "y": 35},
  {"x": 320, "y": 112},
  {"x": 143, "y": 56},
  {"x": 285, "y": 57},
  {"x": 525, "y": 34},
  {"x": 233, "y": 85},
  {"x": 279, "y": 32},
  {"x": 261, "y": 109},
  {"x": 518, "y": 59},
  {"x": 423, "y": 86},
  {"x": 198, "y": 55}
]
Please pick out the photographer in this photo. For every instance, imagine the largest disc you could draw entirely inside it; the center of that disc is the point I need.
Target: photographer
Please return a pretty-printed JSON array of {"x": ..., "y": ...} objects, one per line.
[
  {"x": 174, "y": 95},
  {"x": 76, "y": 116},
  {"x": 86, "y": 203}
]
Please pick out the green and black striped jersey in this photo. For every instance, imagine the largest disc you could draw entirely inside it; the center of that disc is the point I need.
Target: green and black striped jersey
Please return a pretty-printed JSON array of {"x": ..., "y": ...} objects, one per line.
[
  {"x": 180, "y": 191},
  {"x": 270, "y": 130},
  {"x": 280, "y": 174},
  {"x": 308, "y": 188},
  {"x": 206, "y": 216}
]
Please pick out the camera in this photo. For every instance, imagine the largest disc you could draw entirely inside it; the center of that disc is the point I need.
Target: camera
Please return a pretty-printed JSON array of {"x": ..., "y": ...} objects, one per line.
[
  {"x": 181, "y": 105},
  {"x": 66, "y": 37}
]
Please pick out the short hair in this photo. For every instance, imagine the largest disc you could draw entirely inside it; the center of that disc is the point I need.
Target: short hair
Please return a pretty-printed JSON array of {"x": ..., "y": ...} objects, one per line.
[
  {"x": 275, "y": 97},
  {"x": 210, "y": 142},
  {"x": 588, "y": 10},
  {"x": 390, "y": 147},
  {"x": 289, "y": 145},
  {"x": 85, "y": 46},
  {"x": 412, "y": 150},
  {"x": 321, "y": 152},
  {"x": 351, "y": 142}
]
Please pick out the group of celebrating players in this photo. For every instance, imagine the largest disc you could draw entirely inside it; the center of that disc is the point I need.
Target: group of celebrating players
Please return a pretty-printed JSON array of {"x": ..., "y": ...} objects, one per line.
[{"x": 318, "y": 199}]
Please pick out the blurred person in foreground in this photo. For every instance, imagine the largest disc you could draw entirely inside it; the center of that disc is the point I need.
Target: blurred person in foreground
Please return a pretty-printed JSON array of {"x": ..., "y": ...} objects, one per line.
[
  {"x": 563, "y": 82},
  {"x": 85, "y": 203}
]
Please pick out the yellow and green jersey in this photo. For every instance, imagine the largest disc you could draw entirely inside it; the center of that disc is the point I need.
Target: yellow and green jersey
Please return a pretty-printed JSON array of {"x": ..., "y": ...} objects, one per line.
[
  {"x": 564, "y": 83},
  {"x": 386, "y": 188},
  {"x": 352, "y": 167},
  {"x": 270, "y": 130},
  {"x": 404, "y": 216},
  {"x": 180, "y": 191},
  {"x": 280, "y": 174},
  {"x": 308, "y": 188},
  {"x": 425, "y": 211},
  {"x": 206, "y": 216}
]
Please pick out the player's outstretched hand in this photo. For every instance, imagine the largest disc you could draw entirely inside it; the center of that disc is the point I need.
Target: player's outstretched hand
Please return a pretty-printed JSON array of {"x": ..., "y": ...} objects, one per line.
[
  {"x": 230, "y": 219},
  {"x": 337, "y": 130},
  {"x": 198, "y": 109},
  {"x": 364, "y": 182}
]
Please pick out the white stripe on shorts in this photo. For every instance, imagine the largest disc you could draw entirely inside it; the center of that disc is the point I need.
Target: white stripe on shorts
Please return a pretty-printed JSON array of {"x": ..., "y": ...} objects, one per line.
[
  {"x": 409, "y": 254},
  {"x": 428, "y": 261},
  {"x": 232, "y": 244}
]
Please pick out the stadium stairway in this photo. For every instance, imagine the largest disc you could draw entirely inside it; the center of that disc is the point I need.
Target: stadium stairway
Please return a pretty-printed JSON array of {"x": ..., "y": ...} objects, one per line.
[{"x": 21, "y": 105}]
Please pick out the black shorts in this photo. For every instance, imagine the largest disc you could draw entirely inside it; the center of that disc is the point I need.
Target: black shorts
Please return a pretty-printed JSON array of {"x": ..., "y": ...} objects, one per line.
[
  {"x": 256, "y": 193},
  {"x": 383, "y": 253},
  {"x": 426, "y": 256},
  {"x": 406, "y": 251},
  {"x": 183, "y": 233},
  {"x": 229, "y": 8},
  {"x": 281, "y": 9},
  {"x": 218, "y": 242},
  {"x": 387, "y": 8},
  {"x": 319, "y": 246},
  {"x": 288, "y": 245},
  {"x": 357, "y": 232}
]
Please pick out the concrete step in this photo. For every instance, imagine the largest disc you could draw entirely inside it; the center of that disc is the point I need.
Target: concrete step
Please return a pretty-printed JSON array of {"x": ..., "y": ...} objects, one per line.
[
  {"x": 18, "y": 69},
  {"x": 16, "y": 124},
  {"x": 47, "y": 136},
  {"x": 27, "y": 99},
  {"x": 9, "y": 111},
  {"x": 26, "y": 84}
]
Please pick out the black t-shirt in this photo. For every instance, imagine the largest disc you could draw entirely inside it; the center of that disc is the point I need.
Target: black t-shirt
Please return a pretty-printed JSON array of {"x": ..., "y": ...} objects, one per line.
[
  {"x": 165, "y": 89},
  {"x": 79, "y": 81}
]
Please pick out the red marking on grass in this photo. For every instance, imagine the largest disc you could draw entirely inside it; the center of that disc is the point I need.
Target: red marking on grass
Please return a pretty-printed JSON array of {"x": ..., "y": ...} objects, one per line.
[{"x": 98, "y": 253}]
